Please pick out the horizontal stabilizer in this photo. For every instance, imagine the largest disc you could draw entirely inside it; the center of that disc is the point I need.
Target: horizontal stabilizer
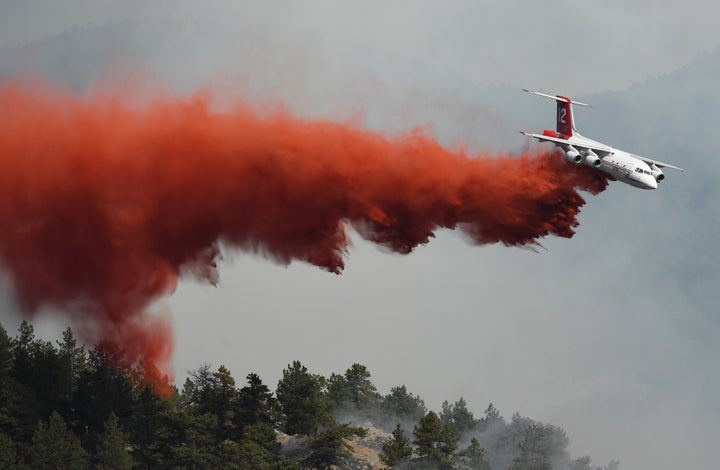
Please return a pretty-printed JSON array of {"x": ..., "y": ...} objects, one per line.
[{"x": 558, "y": 98}]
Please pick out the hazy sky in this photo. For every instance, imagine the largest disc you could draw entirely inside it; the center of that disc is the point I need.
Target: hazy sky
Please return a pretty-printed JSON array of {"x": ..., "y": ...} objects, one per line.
[
  {"x": 586, "y": 334},
  {"x": 578, "y": 46}
]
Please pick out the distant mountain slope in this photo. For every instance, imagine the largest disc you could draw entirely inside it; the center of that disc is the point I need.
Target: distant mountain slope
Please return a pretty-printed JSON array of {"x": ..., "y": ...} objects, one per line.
[{"x": 674, "y": 118}]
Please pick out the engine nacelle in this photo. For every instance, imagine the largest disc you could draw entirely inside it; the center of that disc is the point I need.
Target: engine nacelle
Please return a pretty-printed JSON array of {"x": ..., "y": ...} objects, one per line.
[
  {"x": 591, "y": 159},
  {"x": 574, "y": 156},
  {"x": 657, "y": 173}
]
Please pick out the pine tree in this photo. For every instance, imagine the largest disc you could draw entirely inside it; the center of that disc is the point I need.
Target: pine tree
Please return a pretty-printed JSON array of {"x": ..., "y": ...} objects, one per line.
[
  {"x": 263, "y": 435},
  {"x": 8, "y": 454},
  {"x": 448, "y": 441},
  {"x": 225, "y": 398},
  {"x": 72, "y": 360},
  {"x": 103, "y": 388},
  {"x": 435, "y": 442},
  {"x": 329, "y": 446},
  {"x": 397, "y": 449},
  {"x": 215, "y": 393},
  {"x": 193, "y": 441},
  {"x": 112, "y": 450},
  {"x": 540, "y": 447},
  {"x": 302, "y": 401},
  {"x": 491, "y": 421},
  {"x": 148, "y": 426},
  {"x": 459, "y": 416},
  {"x": 474, "y": 456},
  {"x": 428, "y": 435},
  {"x": 583, "y": 463},
  {"x": 255, "y": 403},
  {"x": 26, "y": 414},
  {"x": 8, "y": 386},
  {"x": 363, "y": 393},
  {"x": 354, "y": 393},
  {"x": 403, "y": 405},
  {"x": 54, "y": 447}
]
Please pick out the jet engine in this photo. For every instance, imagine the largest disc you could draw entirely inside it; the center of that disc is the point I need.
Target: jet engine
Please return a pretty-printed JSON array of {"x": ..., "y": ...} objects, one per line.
[
  {"x": 574, "y": 156},
  {"x": 657, "y": 173},
  {"x": 591, "y": 159}
]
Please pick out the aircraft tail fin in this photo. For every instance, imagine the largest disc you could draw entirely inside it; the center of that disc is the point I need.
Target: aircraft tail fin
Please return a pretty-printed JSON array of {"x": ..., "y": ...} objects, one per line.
[{"x": 565, "y": 120}]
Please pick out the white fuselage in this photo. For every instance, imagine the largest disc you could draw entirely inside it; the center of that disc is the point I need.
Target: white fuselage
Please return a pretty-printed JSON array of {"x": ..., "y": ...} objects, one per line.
[{"x": 620, "y": 164}]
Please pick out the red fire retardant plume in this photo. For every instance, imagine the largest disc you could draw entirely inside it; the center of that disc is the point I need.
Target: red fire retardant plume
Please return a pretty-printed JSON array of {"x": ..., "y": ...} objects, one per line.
[{"x": 103, "y": 205}]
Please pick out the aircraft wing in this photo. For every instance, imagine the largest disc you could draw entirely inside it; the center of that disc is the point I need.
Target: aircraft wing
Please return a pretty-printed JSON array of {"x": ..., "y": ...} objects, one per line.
[
  {"x": 577, "y": 143},
  {"x": 596, "y": 147},
  {"x": 657, "y": 163}
]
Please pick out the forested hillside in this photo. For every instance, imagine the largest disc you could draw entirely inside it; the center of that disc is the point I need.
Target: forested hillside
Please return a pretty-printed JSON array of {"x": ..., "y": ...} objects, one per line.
[{"x": 63, "y": 406}]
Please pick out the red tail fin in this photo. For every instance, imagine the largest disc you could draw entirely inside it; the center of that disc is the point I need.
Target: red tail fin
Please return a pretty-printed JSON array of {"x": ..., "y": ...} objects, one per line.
[{"x": 565, "y": 124}]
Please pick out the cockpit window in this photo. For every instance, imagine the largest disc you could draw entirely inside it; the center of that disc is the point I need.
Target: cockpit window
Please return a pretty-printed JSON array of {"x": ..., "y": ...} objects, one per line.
[{"x": 638, "y": 170}]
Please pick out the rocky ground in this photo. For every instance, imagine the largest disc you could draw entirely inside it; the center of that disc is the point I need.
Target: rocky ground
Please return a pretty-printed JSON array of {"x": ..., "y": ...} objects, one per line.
[{"x": 365, "y": 450}]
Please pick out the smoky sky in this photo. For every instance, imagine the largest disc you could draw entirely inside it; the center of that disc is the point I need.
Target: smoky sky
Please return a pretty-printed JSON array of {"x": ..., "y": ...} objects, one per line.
[{"x": 610, "y": 335}]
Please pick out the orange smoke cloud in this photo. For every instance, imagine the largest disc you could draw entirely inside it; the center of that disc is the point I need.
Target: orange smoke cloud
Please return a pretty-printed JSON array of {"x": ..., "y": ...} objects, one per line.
[{"x": 102, "y": 205}]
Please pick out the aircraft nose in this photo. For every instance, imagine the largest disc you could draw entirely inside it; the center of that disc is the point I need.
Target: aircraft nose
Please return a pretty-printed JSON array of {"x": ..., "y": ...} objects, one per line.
[{"x": 651, "y": 182}]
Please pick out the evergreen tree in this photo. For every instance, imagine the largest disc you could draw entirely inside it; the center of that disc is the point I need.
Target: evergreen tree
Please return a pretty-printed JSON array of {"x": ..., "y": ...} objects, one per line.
[
  {"x": 448, "y": 441},
  {"x": 225, "y": 398},
  {"x": 148, "y": 427},
  {"x": 8, "y": 454},
  {"x": 255, "y": 404},
  {"x": 50, "y": 381},
  {"x": 54, "y": 447},
  {"x": 435, "y": 442},
  {"x": 363, "y": 393},
  {"x": 302, "y": 401},
  {"x": 215, "y": 393},
  {"x": 428, "y": 435},
  {"x": 248, "y": 455},
  {"x": 506, "y": 438},
  {"x": 22, "y": 346},
  {"x": 185, "y": 397},
  {"x": 26, "y": 413},
  {"x": 8, "y": 386},
  {"x": 329, "y": 446},
  {"x": 263, "y": 435},
  {"x": 491, "y": 421},
  {"x": 397, "y": 449},
  {"x": 192, "y": 444},
  {"x": 6, "y": 357},
  {"x": 474, "y": 457},
  {"x": 245, "y": 455},
  {"x": 103, "y": 388},
  {"x": 583, "y": 463},
  {"x": 72, "y": 360},
  {"x": 458, "y": 414},
  {"x": 540, "y": 447},
  {"x": 338, "y": 391},
  {"x": 403, "y": 405},
  {"x": 112, "y": 450}
]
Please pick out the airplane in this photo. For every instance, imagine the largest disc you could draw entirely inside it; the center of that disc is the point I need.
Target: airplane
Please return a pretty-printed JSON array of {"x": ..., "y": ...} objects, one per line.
[{"x": 631, "y": 169}]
